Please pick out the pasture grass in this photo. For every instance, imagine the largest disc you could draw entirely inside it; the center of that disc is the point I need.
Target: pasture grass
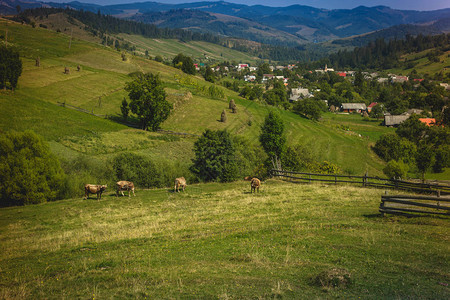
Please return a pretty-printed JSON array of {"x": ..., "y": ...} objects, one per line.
[
  {"x": 219, "y": 241},
  {"x": 198, "y": 50},
  {"x": 99, "y": 88}
]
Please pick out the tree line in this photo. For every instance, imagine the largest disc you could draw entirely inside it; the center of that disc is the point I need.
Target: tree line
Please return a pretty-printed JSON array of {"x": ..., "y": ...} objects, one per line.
[
  {"x": 382, "y": 54},
  {"x": 10, "y": 67}
]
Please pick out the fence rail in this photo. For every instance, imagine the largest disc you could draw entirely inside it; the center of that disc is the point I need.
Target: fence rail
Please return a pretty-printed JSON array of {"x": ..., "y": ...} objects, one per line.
[
  {"x": 365, "y": 181},
  {"x": 63, "y": 104},
  {"x": 403, "y": 204}
]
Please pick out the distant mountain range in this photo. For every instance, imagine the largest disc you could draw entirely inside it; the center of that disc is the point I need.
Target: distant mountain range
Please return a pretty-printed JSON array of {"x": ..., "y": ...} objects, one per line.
[{"x": 292, "y": 25}]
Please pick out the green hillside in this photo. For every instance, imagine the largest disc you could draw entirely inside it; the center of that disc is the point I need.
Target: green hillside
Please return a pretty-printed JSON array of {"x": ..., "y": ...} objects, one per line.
[
  {"x": 99, "y": 88},
  {"x": 218, "y": 241},
  {"x": 423, "y": 65}
]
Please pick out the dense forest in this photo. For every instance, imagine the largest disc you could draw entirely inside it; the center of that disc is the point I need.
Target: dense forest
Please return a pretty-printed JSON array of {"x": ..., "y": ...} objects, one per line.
[
  {"x": 101, "y": 25},
  {"x": 382, "y": 54}
]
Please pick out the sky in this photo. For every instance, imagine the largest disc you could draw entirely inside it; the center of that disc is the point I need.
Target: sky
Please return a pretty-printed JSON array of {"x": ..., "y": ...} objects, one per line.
[{"x": 329, "y": 4}]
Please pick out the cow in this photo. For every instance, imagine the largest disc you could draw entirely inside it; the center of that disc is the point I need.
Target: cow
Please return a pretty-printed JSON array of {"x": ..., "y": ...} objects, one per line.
[
  {"x": 179, "y": 182},
  {"x": 94, "y": 189},
  {"x": 255, "y": 184},
  {"x": 125, "y": 186}
]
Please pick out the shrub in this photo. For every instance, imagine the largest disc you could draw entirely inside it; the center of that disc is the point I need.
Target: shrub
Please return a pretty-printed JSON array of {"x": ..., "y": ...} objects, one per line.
[
  {"x": 297, "y": 158},
  {"x": 395, "y": 170},
  {"x": 82, "y": 170},
  {"x": 29, "y": 172},
  {"x": 215, "y": 157}
]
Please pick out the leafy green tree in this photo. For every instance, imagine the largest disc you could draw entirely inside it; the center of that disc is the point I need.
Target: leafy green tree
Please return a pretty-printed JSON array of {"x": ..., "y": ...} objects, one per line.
[
  {"x": 148, "y": 101},
  {"x": 215, "y": 157},
  {"x": 10, "y": 67},
  {"x": 396, "y": 170},
  {"x": 412, "y": 129},
  {"x": 184, "y": 63},
  {"x": 297, "y": 158},
  {"x": 124, "y": 109},
  {"x": 377, "y": 111},
  {"x": 209, "y": 75},
  {"x": 392, "y": 147},
  {"x": 272, "y": 136},
  {"x": 29, "y": 172},
  {"x": 442, "y": 158},
  {"x": 310, "y": 108},
  {"x": 424, "y": 158}
]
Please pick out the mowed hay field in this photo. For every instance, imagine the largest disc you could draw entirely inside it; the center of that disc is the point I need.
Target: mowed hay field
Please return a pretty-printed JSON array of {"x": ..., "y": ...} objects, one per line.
[{"x": 219, "y": 241}]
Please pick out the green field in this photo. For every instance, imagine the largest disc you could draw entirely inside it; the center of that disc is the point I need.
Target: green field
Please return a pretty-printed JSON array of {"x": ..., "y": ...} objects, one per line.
[
  {"x": 423, "y": 64},
  {"x": 99, "y": 87},
  {"x": 199, "y": 51},
  {"x": 218, "y": 241}
]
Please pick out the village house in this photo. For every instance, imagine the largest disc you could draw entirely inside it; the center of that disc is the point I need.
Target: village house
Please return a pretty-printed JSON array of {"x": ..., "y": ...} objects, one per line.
[
  {"x": 299, "y": 93},
  {"x": 250, "y": 78},
  {"x": 353, "y": 107},
  {"x": 242, "y": 66},
  {"x": 395, "y": 120},
  {"x": 371, "y": 105},
  {"x": 399, "y": 79},
  {"x": 428, "y": 121}
]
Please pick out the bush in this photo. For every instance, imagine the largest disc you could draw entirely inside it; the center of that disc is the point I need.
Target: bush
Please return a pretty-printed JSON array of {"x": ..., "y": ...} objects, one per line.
[
  {"x": 249, "y": 158},
  {"x": 29, "y": 172},
  {"x": 215, "y": 157},
  {"x": 396, "y": 170},
  {"x": 82, "y": 170},
  {"x": 145, "y": 173},
  {"x": 392, "y": 147},
  {"x": 297, "y": 158}
]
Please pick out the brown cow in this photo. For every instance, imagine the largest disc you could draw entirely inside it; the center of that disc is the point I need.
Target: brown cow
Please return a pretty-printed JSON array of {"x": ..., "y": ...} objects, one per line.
[
  {"x": 125, "y": 186},
  {"x": 94, "y": 189},
  {"x": 180, "y": 182},
  {"x": 255, "y": 184}
]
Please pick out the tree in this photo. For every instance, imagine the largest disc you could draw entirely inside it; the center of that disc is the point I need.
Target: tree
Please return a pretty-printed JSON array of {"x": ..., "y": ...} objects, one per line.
[
  {"x": 184, "y": 63},
  {"x": 215, "y": 157},
  {"x": 412, "y": 129},
  {"x": 424, "y": 159},
  {"x": 148, "y": 101},
  {"x": 272, "y": 139},
  {"x": 209, "y": 75},
  {"x": 392, "y": 147},
  {"x": 10, "y": 67},
  {"x": 310, "y": 108},
  {"x": 377, "y": 111},
  {"x": 124, "y": 109},
  {"x": 395, "y": 170},
  {"x": 29, "y": 172}
]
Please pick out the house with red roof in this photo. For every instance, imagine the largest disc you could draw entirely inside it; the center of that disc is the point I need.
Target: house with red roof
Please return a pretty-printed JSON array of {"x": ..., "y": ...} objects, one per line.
[
  {"x": 428, "y": 121},
  {"x": 371, "y": 105}
]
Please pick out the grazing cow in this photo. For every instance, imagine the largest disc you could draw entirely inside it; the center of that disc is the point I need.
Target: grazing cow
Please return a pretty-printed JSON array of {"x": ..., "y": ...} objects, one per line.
[
  {"x": 255, "y": 184},
  {"x": 180, "y": 182},
  {"x": 125, "y": 186},
  {"x": 94, "y": 189},
  {"x": 248, "y": 178}
]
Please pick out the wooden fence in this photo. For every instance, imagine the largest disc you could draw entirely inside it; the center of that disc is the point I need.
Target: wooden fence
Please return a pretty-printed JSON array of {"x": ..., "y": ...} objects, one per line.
[
  {"x": 364, "y": 181},
  {"x": 408, "y": 205},
  {"x": 91, "y": 112}
]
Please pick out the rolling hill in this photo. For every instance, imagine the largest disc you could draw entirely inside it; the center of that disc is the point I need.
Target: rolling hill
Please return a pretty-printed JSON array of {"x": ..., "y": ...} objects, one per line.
[
  {"x": 99, "y": 88},
  {"x": 291, "y": 25}
]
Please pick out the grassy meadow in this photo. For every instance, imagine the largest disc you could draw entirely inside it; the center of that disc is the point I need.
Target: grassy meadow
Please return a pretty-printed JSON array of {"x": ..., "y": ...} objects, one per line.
[
  {"x": 99, "y": 87},
  {"x": 218, "y": 241}
]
